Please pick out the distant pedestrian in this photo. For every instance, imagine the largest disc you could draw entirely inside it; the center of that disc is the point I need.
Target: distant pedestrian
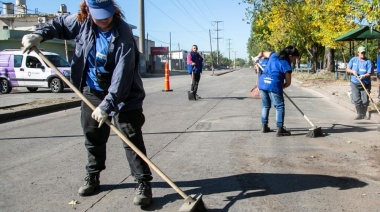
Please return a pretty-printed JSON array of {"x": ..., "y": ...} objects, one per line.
[
  {"x": 194, "y": 67},
  {"x": 360, "y": 69},
  {"x": 275, "y": 77},
  {"x": 105, "y": 69}
]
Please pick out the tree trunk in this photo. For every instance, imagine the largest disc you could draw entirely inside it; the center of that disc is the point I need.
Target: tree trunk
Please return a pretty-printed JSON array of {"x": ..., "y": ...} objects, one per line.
[
  {"x": 313, "y": 52},
  {"x": 328, "y": 60}
]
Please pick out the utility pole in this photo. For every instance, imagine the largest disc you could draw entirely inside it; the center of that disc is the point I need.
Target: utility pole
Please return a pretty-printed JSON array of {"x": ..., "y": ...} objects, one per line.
[
  {"x": 212, "y": 60},
  {"x": 217, "y": 41},
  {"x": 229, "y": 50},
  {"x": 235, "y": 60},
  {"x": 142, "y": 36},
  {"x": 180, "y": 59},
  {"x": 170, "y": 51}
]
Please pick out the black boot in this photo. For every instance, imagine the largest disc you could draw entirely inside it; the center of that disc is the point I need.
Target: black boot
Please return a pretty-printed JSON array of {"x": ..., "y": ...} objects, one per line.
[
  {"x": 91, "y": 184},
  {"x": 143, "y": 194},
  {"x": 364, "y": 112},
  {"x": 359, "y": 113},
  {"x": 281, "y": 131},
  {"x": 265, "y": 128}
]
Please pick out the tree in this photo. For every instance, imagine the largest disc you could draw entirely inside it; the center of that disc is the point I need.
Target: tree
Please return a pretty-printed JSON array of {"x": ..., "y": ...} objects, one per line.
[{"x": 310, "y": 25}]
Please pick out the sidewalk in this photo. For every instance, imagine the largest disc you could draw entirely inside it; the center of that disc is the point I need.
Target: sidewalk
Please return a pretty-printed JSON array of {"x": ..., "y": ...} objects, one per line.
[{"x": 21, "y": 103}]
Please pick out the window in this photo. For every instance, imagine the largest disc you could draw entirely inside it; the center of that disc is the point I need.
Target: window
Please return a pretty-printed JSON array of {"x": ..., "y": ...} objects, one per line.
[
  {"x": 32, "y": 62},
  {"x": 17, "y": 61}
]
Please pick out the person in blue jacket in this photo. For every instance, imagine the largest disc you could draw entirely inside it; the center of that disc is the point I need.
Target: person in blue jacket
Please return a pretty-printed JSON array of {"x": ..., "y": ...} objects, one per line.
[
  {"x": 194, "y": 68},
  {"x": 105, "y": 68},
  {"x": 360, "y": 69},
  {"x": 275, "y": 77},
  {"x": 378, "y": 71}
]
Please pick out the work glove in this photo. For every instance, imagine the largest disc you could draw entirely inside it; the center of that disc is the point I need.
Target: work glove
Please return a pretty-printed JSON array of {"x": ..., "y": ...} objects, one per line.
[
  {"x": 99, "y": 115},
  {"x": 255, "y": 59},
  {"x": 30, "y": 40},
  {"x": 361, "y": 76}
]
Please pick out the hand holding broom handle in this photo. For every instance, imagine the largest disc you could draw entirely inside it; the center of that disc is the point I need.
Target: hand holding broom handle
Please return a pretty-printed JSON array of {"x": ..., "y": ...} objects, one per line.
[{"x": 121, "y": 135}]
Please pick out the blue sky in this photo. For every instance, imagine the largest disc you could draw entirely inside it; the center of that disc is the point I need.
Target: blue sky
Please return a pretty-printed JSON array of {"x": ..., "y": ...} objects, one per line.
[{"x": 188, "y": 22}]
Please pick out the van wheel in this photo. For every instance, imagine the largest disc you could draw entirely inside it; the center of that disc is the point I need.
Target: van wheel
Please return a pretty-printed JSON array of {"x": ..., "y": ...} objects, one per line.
[
  {"x": 56, "y": 85},
  {"x": 5, "y": 86},
  {"x": 32, "y": 89}
]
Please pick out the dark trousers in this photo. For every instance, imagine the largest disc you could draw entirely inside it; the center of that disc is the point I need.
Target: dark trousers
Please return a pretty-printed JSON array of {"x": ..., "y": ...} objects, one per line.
[
  {"x": 195, "y": 82},
  {"x": 359, "y": 96},
  {"x": 127, "y": 122}
]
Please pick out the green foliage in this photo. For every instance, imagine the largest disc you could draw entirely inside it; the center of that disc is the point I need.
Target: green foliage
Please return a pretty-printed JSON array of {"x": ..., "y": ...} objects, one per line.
[
  {"x": 223, "y": 61},
  {"x": 306, "y": 23}
]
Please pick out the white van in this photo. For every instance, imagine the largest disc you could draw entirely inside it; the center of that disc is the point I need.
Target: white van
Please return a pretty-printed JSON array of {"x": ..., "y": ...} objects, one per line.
[{"x": 30, "y": 71}]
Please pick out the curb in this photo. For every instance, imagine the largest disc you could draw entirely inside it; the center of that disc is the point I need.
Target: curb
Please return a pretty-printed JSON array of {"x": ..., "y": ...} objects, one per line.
[{"x": 17, "y": 115}]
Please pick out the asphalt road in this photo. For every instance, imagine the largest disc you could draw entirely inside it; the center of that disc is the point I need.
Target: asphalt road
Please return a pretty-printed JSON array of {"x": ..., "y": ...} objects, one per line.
[{"x": 212, "y": 146}]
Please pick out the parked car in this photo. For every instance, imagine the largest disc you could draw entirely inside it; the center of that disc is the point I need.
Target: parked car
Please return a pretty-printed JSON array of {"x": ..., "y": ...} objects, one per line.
[{"x": 30, "y": 71}]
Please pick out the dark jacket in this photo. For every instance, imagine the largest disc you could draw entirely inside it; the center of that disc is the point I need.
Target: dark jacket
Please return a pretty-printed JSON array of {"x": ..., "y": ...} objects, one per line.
[{"x": 126, "y": 91}]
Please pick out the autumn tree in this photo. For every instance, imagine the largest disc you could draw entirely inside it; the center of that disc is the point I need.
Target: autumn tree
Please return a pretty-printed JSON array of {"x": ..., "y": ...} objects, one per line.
[{"x": 310, "y": 25}]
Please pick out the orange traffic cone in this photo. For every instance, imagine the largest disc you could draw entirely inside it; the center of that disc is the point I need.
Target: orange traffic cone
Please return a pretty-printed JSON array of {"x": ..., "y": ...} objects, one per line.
[{"x": 167, "y": 83}]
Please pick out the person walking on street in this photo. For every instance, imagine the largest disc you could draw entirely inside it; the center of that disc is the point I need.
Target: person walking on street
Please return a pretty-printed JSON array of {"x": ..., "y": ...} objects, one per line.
[
  {"x": 105, "y": 68},
  {"x": 275, "y": 77},
  {"x": 194, "y": 67},
  {"x": 360, "y": 69}
]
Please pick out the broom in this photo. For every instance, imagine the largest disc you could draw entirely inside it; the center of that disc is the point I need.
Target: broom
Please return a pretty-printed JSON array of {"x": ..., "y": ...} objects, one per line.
[
  {"x": 190, "y": 94},
  {"x": 369, "y": 96},
  {"x": 192, "y": 203},
  {"x": 255, "y": 93},
  {"x": 314, "y": 131}
]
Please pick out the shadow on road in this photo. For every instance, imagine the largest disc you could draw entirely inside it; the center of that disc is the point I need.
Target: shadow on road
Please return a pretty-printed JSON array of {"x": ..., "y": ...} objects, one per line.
[
  {"x": 250, "y": 185},
  {"x": 341, "y": 128}
]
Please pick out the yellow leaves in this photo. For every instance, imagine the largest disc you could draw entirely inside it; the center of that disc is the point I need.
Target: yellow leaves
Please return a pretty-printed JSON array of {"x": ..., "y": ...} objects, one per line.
[{"x": 307, "y": 22}]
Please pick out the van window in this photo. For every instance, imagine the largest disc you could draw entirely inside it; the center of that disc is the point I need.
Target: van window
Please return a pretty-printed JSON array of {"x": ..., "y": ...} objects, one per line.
[
  {"x": 57, "y": 61},
  {"x": 17, "y": 61},
  {"x": 32, "y": 62}
]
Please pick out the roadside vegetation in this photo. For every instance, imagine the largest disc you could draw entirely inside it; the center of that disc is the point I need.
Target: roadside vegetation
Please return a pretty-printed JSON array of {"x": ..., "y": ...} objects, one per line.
[{"x": 312, "y": 26}]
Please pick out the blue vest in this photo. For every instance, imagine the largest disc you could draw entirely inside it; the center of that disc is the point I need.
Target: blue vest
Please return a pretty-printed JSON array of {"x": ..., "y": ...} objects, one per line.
[
  {"x": 197, "y": 59},
  {"x": 361, "y": 67},
  {"x": 96, "y": 61},
  {"x": 273, "y": 76}
]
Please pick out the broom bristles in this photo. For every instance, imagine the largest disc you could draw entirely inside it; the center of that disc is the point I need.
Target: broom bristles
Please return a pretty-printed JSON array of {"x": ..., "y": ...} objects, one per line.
[
  {"x": 315, "y": 132},
  {"x": 193, "y": 204}
]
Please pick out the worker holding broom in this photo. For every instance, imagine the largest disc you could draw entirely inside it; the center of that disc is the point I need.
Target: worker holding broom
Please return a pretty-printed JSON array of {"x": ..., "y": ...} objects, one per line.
[
  {"x": 274, "y": 78},
  {"x": 105, "y": 68},
  {"x": 360, "y": 69}
]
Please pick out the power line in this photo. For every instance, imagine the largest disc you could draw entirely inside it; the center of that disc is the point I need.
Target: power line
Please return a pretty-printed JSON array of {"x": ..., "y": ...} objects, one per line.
[
  {"x": 193, "y": 19},
  {"x": 173, "y": 19},
  {"x": 205, "y": 2}
]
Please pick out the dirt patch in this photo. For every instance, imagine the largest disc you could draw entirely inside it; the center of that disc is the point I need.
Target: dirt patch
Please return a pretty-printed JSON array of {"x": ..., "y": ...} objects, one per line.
[{"x": 325, "y": 82}]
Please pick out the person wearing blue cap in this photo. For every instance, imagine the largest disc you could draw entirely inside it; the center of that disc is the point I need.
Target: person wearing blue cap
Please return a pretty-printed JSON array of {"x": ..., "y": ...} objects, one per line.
[
  {"x": 105, "y": 68},
  {"x": 360, "y": 70}
]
